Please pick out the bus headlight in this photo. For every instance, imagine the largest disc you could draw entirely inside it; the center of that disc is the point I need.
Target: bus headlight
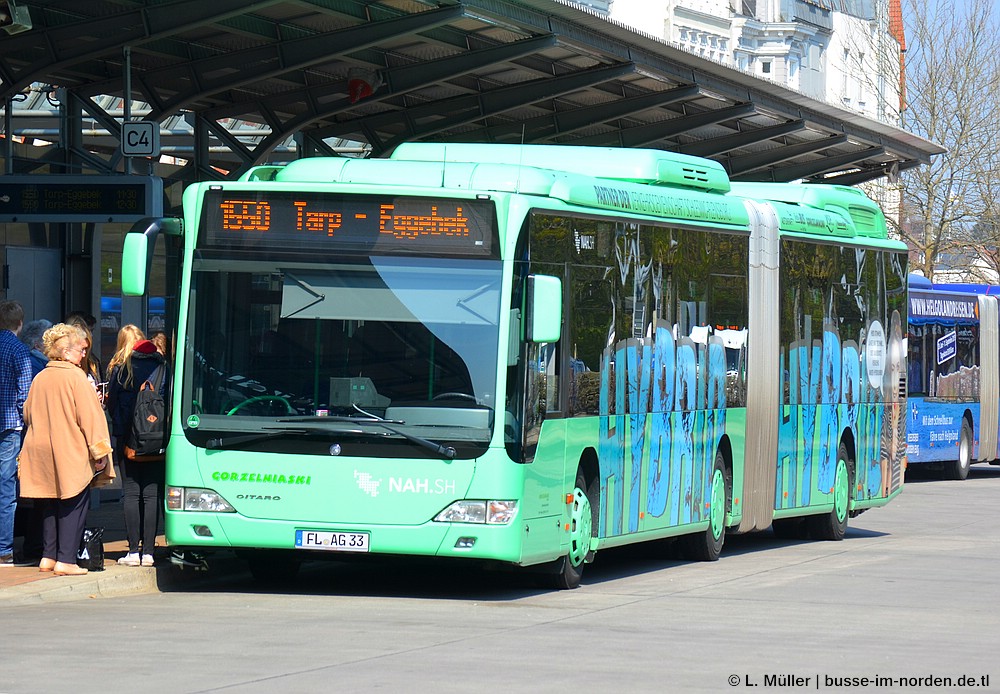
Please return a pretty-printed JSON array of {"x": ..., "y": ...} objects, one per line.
[
  {"x": 195, "y": 499},
  {"x": 492, "y": 512}
]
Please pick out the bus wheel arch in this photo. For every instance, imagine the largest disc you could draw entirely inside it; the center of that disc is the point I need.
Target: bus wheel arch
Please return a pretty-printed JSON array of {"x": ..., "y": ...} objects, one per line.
[
  {"x": 847, "y": 441},
  {"x": 958, "y": 469},
  {"x": 589, "y": 471},
  {"x": 726, "y": 449},
  {"x": 566, "y": 572},
  {"x": 833, "y": 525},
  {"x": 707, "y": 545}
]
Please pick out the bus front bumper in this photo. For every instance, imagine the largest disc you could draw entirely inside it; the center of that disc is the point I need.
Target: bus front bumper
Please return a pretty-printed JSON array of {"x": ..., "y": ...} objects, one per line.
[{"x": 206, "y": 531}]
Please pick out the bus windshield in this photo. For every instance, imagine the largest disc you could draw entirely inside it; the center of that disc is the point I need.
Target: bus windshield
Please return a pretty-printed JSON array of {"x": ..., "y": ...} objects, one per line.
[{"x": 274, "y": 343}]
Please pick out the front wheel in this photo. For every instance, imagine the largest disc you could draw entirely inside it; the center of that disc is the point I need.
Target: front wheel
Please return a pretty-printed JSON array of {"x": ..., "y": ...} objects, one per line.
[
  {"x": 959, "y": 469},
  {"x": 707, "y": 545},
  {"x": 568, "y": 570}
]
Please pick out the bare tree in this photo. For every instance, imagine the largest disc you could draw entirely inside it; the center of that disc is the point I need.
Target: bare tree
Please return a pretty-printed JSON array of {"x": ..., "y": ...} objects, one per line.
[
  {"x": 952, "y": 98},
  {"x": 982, "y": 241},
  {"x": 871, "y": 84},
  {"x": 982, "y": 249}
]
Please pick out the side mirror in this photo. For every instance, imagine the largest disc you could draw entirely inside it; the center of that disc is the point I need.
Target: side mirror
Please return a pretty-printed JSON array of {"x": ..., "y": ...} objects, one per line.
[
  {"x": 544, "y": 322},
  {"x": 135, "y": 250}
]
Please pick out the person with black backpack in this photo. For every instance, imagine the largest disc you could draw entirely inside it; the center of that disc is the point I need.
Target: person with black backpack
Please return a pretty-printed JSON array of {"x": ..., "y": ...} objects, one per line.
[{"x": 138, "y": 391}]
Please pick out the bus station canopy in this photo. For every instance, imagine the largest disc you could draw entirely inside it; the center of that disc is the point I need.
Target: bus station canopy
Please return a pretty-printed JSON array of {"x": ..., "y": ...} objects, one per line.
[{"x": 246, "y": 76}]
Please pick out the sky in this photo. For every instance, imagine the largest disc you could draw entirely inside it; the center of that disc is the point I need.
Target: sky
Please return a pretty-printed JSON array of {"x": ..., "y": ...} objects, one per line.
[{"x": 961, "y": 6}]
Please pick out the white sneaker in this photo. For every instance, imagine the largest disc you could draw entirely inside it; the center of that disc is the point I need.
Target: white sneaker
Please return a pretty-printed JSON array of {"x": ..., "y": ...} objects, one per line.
[
  {"x": 130, "y": 560},
  {"x": 147, "y": 560}
]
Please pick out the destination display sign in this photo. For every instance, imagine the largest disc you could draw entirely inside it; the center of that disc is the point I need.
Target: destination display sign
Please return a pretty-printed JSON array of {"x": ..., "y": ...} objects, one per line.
[{"x": 342, "y": 223}]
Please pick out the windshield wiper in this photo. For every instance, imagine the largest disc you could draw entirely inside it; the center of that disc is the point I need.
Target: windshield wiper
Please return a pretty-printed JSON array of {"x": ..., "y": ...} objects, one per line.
[
  {"x": 338, "y": 418},
  {"x": 447, "y": 451},
  {"x": 240, "y": 439}
]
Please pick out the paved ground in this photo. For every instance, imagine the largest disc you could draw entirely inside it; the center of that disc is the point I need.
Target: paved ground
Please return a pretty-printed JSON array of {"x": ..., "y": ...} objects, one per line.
[
  {"x": 26, "y": 585},
  {"x": 906, "y": 600}
]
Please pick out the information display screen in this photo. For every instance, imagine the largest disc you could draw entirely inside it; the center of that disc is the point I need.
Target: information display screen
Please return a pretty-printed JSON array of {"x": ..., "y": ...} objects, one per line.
[
  {"x": 79, "y": 198},
  {"x": 340, "y": 223}
]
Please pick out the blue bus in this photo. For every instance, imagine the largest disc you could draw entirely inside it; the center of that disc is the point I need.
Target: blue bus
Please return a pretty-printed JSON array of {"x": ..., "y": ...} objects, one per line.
[{"x": 953, "y": 376}]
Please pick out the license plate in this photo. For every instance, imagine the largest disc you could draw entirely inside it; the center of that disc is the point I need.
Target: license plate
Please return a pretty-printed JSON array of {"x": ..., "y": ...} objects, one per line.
[{"x": 331, "y": 541}]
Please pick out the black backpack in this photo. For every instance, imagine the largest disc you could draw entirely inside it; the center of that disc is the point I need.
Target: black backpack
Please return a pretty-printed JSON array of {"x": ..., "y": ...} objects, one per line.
[{"x": 147, "y": 437}]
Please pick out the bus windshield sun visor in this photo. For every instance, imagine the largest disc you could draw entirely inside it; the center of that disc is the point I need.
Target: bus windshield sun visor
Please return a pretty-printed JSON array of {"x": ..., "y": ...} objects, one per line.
[{"x": 470, "y": 300}]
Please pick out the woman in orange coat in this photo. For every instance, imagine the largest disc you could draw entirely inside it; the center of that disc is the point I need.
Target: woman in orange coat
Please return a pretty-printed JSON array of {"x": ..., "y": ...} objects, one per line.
[{"x": 63, "y": 409}]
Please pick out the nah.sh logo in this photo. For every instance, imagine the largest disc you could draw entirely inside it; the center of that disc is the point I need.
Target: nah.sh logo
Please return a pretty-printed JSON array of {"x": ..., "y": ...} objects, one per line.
[{"x": 368, "y": 484}]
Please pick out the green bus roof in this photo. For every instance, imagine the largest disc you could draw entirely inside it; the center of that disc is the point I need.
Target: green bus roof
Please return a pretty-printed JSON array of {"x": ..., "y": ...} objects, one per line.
[
  {"x": 638, "y": 181},
  {"x": 798, "y": 205},
  {"x": 650, "y": 166},
  {"x": 647, "y": 182}
]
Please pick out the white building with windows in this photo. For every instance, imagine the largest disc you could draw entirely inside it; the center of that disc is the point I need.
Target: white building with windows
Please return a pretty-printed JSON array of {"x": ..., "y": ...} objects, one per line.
[{"x": 844, "y": 52}]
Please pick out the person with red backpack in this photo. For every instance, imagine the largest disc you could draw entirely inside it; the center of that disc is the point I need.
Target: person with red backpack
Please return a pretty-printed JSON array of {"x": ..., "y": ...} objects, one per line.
[{"x": 133, "y": 385}]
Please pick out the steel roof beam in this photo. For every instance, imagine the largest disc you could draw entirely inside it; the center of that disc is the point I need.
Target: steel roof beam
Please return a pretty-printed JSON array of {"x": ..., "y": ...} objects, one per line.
[
  {"x": 409, "y": 77},
  {"x": 399, "y": 80},
  {"x": 63, "y": 46},
  {"x": 727, "y": 143},
  {"x": 761, "y": 160},
  {"x": 885, "y": 169},
  {"x": 794, "y": 172},
  {"x": 640, "y": 135},
  {"x": 233, "y": 70},
  {"x": 542, "y": 128},
  {"x": 257, "y": 28},
  {"x": 205, "y": 127},
  {"x": 94, "y": 110},
  {"x": 473, "y": 107},
  {"x": 839, "y": 161},
  {"x": 511, "y": 96}
]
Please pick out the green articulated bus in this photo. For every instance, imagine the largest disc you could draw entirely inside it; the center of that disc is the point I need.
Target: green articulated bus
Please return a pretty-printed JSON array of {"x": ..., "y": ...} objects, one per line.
[{"x": 524, "y": 354}]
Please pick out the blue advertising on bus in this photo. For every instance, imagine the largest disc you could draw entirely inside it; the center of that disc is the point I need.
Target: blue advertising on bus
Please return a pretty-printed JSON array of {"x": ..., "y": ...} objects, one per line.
[{"x": 952, "y": 378}]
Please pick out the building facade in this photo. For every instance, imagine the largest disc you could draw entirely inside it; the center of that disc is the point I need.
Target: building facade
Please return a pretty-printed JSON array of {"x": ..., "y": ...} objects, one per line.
[{"x": 845, "y": 52}]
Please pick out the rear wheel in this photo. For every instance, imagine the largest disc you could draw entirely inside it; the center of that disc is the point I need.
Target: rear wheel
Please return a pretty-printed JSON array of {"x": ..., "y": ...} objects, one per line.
[
  {"x": 568, "y": 571},
  {"x": 959, "y": 469},
  {"x": 707, "y": 545},
  {"x": 833, "y": 525}
]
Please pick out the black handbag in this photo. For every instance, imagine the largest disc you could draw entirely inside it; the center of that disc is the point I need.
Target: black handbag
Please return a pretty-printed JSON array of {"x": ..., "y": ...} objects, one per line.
[{"x": 91, "y": 553}]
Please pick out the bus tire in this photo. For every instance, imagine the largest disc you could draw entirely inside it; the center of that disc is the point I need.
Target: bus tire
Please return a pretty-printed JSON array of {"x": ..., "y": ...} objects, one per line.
[
  {"x": 707, "y": 545},
  {"x": 272, "y": 567},
  {"x": 567, "y": 572},
  {"x": 833, "y": 525},
  {"x": 958, "y": 469}
]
